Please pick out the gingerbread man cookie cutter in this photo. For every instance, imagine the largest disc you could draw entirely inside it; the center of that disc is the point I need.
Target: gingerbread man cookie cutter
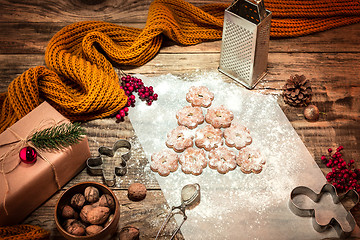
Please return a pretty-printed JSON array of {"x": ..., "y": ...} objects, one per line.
[
  {"x": 343, "y": 229},
  {"x": 95, "y": 165}
]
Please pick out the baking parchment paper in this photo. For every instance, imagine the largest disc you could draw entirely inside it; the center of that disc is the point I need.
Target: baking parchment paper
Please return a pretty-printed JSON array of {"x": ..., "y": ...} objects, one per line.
[{"x": 234, "y": 205}]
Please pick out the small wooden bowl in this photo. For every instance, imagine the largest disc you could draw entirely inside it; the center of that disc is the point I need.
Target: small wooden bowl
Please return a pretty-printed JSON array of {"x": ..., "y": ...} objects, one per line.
[{"x": 65, "y": 200}]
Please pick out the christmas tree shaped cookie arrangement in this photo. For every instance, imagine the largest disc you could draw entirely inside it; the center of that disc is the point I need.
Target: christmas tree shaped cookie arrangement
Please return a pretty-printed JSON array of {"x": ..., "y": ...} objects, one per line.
[{"x": 222, "y": 143}]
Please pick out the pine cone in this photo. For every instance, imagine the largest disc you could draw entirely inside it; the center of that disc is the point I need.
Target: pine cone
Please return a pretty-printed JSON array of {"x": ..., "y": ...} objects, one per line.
[{"x": 297, "y": 91}]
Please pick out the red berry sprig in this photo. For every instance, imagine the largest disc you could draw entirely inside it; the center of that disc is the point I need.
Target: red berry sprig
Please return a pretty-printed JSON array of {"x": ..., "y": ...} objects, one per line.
[
  {"x": 343, "y": 176},
  {"x": 130, "y": 85}
]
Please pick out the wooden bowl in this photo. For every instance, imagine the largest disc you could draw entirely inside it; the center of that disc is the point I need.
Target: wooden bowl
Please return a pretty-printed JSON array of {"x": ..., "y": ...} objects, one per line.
[{"x": 65, "y": 200}]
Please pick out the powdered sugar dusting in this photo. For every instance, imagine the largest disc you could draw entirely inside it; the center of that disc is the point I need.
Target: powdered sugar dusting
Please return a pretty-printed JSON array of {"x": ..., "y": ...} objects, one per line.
[{"x": 233, "y": 205}]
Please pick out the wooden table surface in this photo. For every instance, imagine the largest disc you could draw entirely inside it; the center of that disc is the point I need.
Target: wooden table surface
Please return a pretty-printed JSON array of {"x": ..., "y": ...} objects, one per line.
[{"x": 330, "y": 59}]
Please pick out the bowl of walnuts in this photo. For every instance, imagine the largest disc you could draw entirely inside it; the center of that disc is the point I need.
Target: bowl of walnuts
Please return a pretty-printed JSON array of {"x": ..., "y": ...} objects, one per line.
[{"x": 87, "y": 210}]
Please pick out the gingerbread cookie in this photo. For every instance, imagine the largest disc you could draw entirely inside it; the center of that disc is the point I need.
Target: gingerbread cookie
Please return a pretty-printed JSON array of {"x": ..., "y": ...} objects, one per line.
[
  {"x": 164, "y": 162},
  {"x": 193, "y": 161},
  {"x": 250, "y": 160},
  {"x": 237, "y": 136},
  {"x": 190, "y": 116},
  {"x": 180, "y": 138},
  {"x": 219, "y": 117},
  {"x": 199, "y": 96},
  {"x": 222, "y": 159},
  {"x": 208, "y": 137}
]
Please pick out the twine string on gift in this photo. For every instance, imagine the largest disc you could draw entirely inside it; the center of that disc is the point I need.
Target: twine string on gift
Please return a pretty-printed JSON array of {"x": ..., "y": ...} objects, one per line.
[{"x": 19, "y": 144}]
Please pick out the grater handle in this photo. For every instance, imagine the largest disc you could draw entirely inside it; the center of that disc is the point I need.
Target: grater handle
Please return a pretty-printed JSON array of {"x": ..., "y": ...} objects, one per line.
[{"x": 261, "y": 8}]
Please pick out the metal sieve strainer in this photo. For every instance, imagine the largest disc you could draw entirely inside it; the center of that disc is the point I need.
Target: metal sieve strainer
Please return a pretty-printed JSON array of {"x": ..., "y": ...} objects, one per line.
[{"x": 190, "y": 198}]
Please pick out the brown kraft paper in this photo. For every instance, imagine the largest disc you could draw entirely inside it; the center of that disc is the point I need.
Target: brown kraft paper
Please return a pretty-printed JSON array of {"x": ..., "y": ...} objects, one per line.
[{"x": 24, "y": 187}]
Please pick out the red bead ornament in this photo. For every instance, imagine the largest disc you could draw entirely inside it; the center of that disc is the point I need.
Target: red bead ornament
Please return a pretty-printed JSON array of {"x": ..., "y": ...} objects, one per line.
[{"x": 28, "y": 155}]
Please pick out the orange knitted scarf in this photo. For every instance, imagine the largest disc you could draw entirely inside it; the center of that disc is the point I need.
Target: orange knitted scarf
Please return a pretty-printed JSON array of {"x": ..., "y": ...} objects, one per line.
[{"x": 81, "y": 83}]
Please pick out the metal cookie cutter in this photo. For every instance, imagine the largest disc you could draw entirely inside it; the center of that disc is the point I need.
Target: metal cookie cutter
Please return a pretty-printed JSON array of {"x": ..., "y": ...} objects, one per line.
[
  {"x": 339, "y": 226},
  {"x": 95, "y": 164},
  {"x": 190, "y": 198}
]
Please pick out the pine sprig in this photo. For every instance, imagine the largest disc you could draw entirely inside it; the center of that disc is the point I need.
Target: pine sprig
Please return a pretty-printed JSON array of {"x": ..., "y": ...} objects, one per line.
[{"x": 58, "y": 137}]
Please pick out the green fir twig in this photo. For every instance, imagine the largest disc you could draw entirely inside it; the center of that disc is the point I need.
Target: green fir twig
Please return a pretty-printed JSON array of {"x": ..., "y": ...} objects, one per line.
[{"x": 58, "y": 137}]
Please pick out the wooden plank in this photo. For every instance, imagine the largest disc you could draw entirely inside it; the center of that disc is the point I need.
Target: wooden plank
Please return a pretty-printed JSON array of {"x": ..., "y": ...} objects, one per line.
[
  {"x": 147, "y": 215},
  {"x": 80, "y": 10},
  {"x": 29, "y": 38},
  {"x": 326, "y": 71},
  {"x": 73, "y": 11}
]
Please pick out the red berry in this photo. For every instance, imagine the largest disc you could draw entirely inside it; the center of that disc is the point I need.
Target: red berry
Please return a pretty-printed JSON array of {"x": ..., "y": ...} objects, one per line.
[
  {"x": 126, "y": 109},
  {"x": 118, "y": 117},
  {"x": 329, "y": 150}
]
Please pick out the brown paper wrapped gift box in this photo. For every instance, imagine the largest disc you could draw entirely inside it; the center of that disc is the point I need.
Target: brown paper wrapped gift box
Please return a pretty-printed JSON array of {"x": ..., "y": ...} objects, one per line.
[{"x": 27, "y": 186}]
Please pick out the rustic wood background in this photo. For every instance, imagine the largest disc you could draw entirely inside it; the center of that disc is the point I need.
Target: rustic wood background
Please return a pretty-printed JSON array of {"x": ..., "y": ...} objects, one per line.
[{"x": 331, "y": 59}]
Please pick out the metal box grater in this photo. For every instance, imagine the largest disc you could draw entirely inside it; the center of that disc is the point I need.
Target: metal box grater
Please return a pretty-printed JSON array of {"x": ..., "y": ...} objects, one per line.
[{"x": 245, "y": 42}]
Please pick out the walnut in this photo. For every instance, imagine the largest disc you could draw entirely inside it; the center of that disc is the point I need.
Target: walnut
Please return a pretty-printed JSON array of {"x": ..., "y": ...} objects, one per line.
[
  {"x": 98, "y": 215},
  {"x": 311, "y": 113},
  {"x": 96, "y": 204},
  {"x": 107, "y": 200},
  {"x": 137, "y": 192},
  {"x": 85, "y": 212},
  {"x": 91, "y": 194},
  {"x": 74, "y": 227},
  {"x": 77, "y": 201},
  {"x": 129, "y": 233},
  {"x": 93, "y": 229},
  {"x": 68, "y": 212}
]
